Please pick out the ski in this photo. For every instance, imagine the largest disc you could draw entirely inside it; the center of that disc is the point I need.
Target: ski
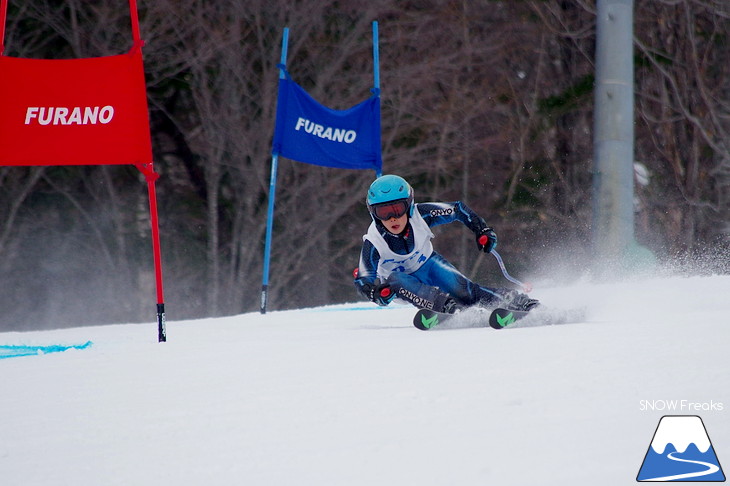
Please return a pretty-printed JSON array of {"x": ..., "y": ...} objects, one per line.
[
  {"x": 426, "y": 319},
  {"x": 499, "y": 318}
]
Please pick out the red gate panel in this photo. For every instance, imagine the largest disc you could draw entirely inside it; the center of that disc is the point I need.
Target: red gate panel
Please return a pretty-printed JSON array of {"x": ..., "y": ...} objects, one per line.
[{"x": 74, "y": 112}]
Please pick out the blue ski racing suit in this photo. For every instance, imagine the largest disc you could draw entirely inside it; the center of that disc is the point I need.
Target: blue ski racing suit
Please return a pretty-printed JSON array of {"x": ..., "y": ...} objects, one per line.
[{"x": 407, "y": 266}]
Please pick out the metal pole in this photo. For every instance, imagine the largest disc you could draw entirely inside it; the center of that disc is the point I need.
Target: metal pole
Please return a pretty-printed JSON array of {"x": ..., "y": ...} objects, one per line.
[{"x": 613, "y": 138}]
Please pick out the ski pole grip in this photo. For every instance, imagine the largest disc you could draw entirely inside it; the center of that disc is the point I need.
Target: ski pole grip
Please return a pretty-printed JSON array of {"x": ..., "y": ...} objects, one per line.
[
  {"x": 483, "y": 240},
  {"x": 385, "y": 292}
]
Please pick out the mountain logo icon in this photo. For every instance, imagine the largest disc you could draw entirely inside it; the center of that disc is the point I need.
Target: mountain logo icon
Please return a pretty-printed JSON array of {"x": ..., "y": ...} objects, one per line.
[{"x": 680, "y": 451}]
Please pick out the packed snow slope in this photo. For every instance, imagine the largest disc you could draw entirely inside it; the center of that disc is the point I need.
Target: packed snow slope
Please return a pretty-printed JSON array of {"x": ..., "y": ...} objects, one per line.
[{"x": 354, "y": 395}]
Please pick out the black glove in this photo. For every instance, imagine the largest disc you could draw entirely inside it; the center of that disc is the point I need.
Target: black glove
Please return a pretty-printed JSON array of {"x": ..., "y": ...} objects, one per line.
[
  {"x": 381, "y": 293},
  {"x": 486, "y": 239}
]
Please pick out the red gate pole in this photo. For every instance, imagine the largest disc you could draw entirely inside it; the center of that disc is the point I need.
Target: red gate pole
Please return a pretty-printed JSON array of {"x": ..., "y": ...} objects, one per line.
[
  {"x": 137, "y": 41},
  {"x": 135, "y": 21},
  {"x": 151, "y": 176},
  {"x": 3, "y": 14}
]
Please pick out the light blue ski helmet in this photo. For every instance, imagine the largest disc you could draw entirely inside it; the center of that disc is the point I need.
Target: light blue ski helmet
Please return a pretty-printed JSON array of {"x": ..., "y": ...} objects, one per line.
[{"x": 390, "y": 188}]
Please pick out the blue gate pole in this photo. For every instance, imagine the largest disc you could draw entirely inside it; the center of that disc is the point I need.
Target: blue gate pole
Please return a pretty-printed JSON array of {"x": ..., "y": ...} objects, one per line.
[
  {"x": 376, "y": 71},
  {"x": 376, "y": 56},
  {"x": 272, "y": 194}
]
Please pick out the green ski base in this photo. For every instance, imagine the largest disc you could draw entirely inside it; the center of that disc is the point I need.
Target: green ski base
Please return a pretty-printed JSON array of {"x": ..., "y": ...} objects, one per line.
[{"x": 499, "y": 318}]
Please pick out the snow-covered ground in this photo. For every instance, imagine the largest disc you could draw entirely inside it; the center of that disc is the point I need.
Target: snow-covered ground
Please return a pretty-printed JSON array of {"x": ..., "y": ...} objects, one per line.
[{"x": 354, "y": 395}]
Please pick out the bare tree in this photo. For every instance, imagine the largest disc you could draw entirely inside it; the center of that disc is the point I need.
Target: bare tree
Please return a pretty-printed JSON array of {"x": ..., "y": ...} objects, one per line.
[
  {"x": 488, "y": 102},
  {"x": 682, "y": 104}
]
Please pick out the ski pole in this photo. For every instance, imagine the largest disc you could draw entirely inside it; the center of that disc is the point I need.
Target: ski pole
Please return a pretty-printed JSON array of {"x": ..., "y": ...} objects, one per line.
[{"x": 525, "y": 287}]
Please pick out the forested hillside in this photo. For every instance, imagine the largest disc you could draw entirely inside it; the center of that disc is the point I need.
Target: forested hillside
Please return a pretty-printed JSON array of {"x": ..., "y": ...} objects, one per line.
[{"x": 485, "y": 101}]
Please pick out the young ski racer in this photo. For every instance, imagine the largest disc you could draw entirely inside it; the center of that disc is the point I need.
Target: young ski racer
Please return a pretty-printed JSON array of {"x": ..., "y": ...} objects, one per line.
[{"x": 398, "y": 259}]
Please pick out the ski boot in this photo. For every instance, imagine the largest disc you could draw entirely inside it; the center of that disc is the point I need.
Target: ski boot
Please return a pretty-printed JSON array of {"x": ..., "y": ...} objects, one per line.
[
  {"x": 450, "y": 306},
  {"x": 445, "y": 304},
  {"x": 513, "y": 300}
]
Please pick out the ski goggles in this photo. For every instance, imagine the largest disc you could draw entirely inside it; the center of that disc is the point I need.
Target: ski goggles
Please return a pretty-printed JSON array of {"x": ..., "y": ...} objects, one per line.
[{"x": 389, "y": 210}]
